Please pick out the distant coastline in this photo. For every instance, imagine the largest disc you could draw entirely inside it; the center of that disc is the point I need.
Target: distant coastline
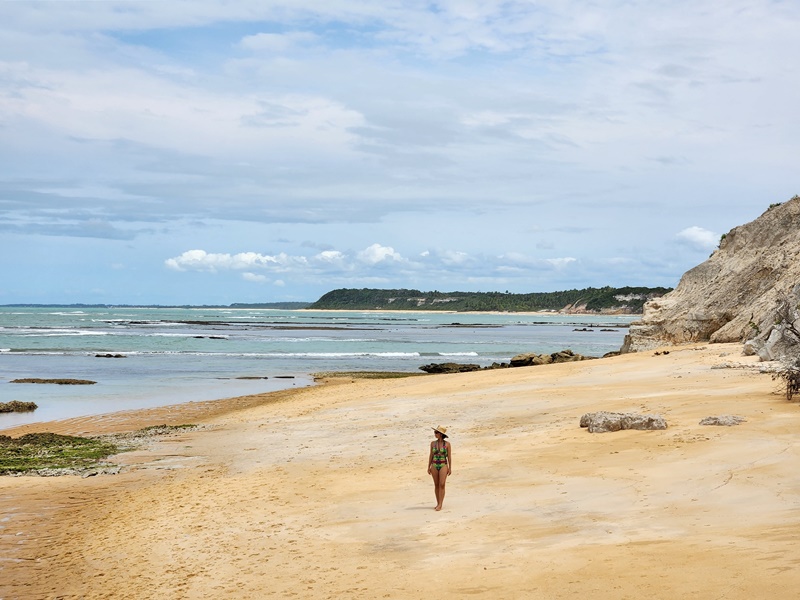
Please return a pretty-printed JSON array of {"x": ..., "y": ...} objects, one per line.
[
  {"x": 269, "y": 305},
  {"x": 587, "y": 301},
  {"x": 595, "y": 301}
]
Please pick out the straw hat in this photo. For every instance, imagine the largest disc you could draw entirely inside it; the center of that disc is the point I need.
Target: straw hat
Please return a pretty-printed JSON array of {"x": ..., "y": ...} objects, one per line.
[{"x": 441, "y": 430}]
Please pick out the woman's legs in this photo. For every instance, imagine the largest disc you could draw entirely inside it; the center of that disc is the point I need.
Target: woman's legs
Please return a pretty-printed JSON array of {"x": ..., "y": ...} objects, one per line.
[
  {"x": 439, "y": 480},
  {"x": 435, "y": 474}
]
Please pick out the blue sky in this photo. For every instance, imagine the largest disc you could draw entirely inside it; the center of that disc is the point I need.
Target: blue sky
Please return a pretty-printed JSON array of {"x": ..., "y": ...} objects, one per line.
[{"x": 199, "y": 152}]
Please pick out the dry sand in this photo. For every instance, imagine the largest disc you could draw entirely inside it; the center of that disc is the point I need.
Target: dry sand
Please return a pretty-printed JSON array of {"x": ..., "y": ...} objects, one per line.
[{"x": 323, "y": 493}]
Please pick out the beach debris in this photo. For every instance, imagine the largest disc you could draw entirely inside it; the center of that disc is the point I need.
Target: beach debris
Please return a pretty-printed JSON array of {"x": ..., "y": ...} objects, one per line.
[
  {"x": 17, "y": 406},
  {"x": 603, "y": 421},
  {"x": 56, "y": 381},
  {"x": 790, "y": 375},
  {"x": 723, "y": 420}
]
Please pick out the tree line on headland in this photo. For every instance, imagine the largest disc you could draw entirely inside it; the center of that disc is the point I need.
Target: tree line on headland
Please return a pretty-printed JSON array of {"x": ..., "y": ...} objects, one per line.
[{"x": 629, "y": 300}]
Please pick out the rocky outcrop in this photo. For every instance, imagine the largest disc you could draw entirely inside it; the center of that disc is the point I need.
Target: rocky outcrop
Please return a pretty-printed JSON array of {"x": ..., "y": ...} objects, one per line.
[
  {"x": 449, "y": 368},
  {"x": 603, "y": 421},
  {"x": 520, "y": 360},
  {"x": 530, "y": 359},
  {"x": 734, "y": 295},
  {"x": 780, "y": 337},
  {"x": 723, "y": 420},
  {"x": 17, "y": 406},
  {"x": 56, "y": 381}
]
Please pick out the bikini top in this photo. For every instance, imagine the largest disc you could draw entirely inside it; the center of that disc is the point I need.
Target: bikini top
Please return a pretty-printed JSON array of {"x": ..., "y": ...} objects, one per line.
[{"x": 439, "y": 453}]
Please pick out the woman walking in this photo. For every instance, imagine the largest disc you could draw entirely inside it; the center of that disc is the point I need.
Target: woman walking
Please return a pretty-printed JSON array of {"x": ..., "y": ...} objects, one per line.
[{"x": 440, "y": 463}]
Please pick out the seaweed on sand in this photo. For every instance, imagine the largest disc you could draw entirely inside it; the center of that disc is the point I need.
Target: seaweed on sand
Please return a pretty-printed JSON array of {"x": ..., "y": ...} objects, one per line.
[{"x": 37, "y": 451}]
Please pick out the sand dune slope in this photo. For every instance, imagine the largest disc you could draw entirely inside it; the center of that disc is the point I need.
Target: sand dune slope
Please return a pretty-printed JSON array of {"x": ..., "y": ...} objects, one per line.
[{"x": 324, "y": 494}]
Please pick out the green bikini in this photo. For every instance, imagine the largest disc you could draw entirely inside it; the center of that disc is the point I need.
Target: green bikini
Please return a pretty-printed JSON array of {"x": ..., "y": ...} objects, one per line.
[{"x": 439, "y": 456}]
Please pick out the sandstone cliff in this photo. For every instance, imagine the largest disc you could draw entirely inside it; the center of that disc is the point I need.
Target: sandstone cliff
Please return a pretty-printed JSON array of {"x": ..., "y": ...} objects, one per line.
[{"x": 734, "y": 295}]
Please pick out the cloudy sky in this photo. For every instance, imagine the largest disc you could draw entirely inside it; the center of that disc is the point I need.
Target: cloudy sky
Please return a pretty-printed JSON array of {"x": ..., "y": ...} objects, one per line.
[{"x": 213, "y": 151}]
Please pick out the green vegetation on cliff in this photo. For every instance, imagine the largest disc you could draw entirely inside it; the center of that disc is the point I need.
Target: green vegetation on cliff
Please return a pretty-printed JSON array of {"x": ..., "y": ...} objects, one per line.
[{"x": 607, "y": 299}]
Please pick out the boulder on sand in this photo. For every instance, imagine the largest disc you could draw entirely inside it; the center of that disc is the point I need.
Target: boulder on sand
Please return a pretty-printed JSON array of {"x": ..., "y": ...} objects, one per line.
[{"x": 603, "y": 421}]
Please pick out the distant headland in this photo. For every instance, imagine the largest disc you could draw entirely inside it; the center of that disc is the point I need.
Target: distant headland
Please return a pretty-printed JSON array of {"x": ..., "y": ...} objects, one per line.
[
  {"x": 605, "y": 300},
  {"x": 273, "y": 305}
]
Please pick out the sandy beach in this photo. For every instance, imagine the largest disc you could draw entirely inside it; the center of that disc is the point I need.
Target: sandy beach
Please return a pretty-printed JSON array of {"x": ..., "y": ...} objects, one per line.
[{"x": 322, "y": 492}]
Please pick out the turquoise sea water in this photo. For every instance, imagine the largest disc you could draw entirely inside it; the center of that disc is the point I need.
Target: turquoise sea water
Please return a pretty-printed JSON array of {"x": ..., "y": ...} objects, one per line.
[{"x": 174, "y": 355}]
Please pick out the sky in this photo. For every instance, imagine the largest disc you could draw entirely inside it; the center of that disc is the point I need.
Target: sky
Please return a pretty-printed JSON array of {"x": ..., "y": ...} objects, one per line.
[{"x": 223, "y": 151}]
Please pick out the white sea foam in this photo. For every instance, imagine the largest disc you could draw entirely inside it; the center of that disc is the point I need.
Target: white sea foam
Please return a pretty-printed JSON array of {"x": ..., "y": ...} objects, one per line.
[{"x": 63, "y": 333}]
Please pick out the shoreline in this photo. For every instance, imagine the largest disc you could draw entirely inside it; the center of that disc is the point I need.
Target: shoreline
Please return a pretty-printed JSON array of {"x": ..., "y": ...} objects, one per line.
[
  {"x": 549, "y": 313},
  {"x": 174, "y": 414},
  {"x": 257, "y": 502}
]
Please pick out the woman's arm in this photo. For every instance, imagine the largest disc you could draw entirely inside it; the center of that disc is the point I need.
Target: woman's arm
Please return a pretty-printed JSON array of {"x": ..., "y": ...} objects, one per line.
[
  {"x": 449, "y": 458},
  {"x": 430, "y": 458}
]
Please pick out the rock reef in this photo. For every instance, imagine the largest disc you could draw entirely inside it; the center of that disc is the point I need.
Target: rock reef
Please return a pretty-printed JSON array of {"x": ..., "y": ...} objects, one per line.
[{"x": 520, "y": 360}]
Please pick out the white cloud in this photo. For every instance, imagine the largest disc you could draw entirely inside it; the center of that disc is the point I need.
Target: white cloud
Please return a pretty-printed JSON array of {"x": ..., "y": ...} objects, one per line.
[
  {"x": 330, "y": 256},
  {"x": 454, "y": 257},
  {"x": 377, "y": 254},
  {"x": 255, "y": 278},
  {"x": 200, "y": 260},
  {"x": 698, "y": 238},
  {"x": 560, "y": 263}
]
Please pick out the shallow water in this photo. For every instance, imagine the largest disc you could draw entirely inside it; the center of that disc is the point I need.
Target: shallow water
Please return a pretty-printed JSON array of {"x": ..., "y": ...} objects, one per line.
[{"x": 174, "y": 355}]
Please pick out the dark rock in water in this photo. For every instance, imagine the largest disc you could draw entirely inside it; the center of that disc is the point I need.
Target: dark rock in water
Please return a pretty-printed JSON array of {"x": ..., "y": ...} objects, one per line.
[
  {"x": 17, "y": 406},
  {"x": 283, "y": 377},
  {"x": 520, "y": 360},
  {"x": 530, "y": 359},
  {"x": 583, "y": 329},
  {"x": 603, "y": 421},
  {"x": 251, "y": 377},
  {"x": 110, "y": 356},
  {"x": 56, "y": 381},
  {"x": 449, "y": 367},
  {"x": 723, "y": 420}
]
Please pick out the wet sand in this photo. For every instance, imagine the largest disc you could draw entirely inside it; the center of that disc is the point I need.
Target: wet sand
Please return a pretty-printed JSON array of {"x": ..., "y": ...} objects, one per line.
[{"x": 322, "y": 492}]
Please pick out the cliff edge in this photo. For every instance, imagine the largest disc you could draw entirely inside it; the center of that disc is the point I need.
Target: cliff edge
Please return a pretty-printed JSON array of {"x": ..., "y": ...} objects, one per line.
[{"x": 747, "y": 291}]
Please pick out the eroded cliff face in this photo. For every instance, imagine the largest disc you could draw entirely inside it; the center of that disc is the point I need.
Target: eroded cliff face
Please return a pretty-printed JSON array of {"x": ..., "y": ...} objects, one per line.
[{"x": 733, "y": 295}]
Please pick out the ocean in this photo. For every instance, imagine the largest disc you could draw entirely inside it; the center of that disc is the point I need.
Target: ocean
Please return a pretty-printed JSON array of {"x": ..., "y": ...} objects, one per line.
[{"x": 174, "y": 355}]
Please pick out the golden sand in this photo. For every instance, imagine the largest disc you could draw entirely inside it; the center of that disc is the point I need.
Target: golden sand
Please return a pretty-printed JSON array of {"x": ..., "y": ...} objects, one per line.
[{"x": 322, "y": 492}]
